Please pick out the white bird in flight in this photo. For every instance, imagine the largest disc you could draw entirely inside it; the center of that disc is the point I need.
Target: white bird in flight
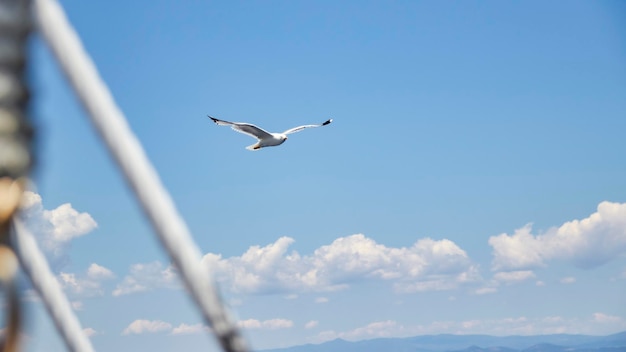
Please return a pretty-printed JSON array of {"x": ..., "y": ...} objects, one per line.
[{"x": 265, "y": 139}]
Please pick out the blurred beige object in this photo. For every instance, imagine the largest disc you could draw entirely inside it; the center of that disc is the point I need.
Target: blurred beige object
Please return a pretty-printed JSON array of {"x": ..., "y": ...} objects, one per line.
[{"x": 10, "y": 196}]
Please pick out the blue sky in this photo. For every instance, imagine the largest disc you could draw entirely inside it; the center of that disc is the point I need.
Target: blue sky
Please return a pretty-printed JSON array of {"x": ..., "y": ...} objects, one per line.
[{"x": 472, "y": 180}]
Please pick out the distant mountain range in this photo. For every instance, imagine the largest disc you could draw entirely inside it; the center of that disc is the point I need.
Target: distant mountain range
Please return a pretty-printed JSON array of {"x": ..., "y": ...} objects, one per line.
[{"x": 472, "y": 343}]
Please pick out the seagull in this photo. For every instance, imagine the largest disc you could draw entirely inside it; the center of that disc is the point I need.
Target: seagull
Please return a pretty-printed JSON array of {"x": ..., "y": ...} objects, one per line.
[{"x": 265, "y": 139}]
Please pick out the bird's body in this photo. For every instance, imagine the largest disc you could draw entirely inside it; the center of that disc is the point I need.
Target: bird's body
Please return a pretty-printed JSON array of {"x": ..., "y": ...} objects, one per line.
[
  {"x": 276, "y": 139},
  {"x": 265, "y": 139}
]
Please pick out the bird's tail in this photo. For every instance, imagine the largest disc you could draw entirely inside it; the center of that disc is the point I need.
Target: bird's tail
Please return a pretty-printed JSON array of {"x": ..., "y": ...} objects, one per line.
[{"x": 254, "y": 147}]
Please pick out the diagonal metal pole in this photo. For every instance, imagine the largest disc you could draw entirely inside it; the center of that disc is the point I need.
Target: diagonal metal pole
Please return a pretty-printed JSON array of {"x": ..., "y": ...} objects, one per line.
[
  {"x": 35, "y": 265},
  {"x": 109, "y": 121}
]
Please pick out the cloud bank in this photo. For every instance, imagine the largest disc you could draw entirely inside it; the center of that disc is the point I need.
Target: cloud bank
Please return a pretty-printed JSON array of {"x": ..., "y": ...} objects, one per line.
[
  {"x": 596, "y": 324},
  {"x": 427, "y": 265},
  {"x": 86, "y": 285},
  {"x": 588, "y": 243},
  {"x": 144, "y": 326},
  {"x": 147, "y": 276},
  {"x": 271, "y": 324}
]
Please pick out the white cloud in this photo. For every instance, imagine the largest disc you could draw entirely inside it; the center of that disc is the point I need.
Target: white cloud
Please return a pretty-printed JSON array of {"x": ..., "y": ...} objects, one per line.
[
  {"x": 469, "y": 324},
  {"x": 89, "y": 284},
  {"x": 605, "y": 318},
  {"x": 378, "y": 329},
  {"x": 249, "y": 324},
  {"x": 540, "y": 283},
  {"x": 513, "y": 276},
  {"x": 185, "y": 329},
  {"x": 55, "y": 228},
  {"x": 321, "y": 300},
  {"x": 601, "y": 324},
  {"x": 274, "y": 324},
  {"x": 90, "y": 332},
  {"x": 98, "y": 272},
  {"x": 70, "y": 282},
  {"x": 145, "y": 277},
  {"x": 388, "y": 328},
  {"x": 311, "y": 324},
  {"x": 568, "y": 280},
  {"x": 142, "y": 326},
  {"x": 428, "y": 285},
  {"x": 271, "y": 324},
  {"x": 427, "y": 265},
  {"x": 506, "y": 278},
  {"x": 69, "y": 223},
  {"x": 588, "y": 243}
]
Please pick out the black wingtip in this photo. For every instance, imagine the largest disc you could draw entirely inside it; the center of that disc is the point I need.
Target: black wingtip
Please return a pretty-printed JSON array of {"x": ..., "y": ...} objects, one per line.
[
  {"x": 212, "y": 118},
  {"x": 327, "y": 122}
]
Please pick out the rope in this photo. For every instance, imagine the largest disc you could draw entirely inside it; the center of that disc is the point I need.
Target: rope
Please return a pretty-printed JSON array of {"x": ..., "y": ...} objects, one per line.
[
  {"x": 36, "y": 267},
  {"x": 141, "y": 176}
]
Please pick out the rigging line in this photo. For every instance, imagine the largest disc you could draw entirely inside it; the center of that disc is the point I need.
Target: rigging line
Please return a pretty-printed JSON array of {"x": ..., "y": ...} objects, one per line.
[
  {"x": 36, "y": 267},
  {"x": 157, "y": 204}
]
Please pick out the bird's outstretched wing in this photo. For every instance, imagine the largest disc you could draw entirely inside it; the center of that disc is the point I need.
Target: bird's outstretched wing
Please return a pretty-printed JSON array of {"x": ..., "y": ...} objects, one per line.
[
  {"x": 300, "y": 128},
  {"x": 245, "y": 128}
]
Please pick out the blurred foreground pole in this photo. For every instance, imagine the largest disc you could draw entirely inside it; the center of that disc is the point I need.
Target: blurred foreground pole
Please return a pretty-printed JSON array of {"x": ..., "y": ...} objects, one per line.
[
  {"x": 141, "y": 176},
  {"x": 15, "y": 150}
]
